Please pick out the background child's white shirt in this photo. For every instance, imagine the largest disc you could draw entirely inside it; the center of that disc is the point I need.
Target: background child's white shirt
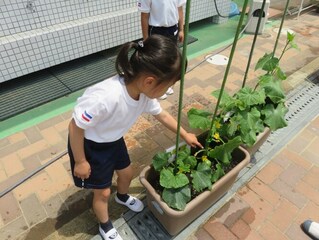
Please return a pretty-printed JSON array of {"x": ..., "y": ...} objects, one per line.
[
  {"x": 162, "y": 13},
  {"x": 106, "y": 111}
]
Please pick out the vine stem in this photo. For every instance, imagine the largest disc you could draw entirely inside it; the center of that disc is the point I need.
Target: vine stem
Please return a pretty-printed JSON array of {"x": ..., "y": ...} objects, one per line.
[
  {"x": 242, "y": 15},
  {"x": 181, "y": 91}
]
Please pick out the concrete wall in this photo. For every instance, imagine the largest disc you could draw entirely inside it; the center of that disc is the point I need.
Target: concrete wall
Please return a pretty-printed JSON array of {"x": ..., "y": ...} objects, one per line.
[{"x": 37, "y": 34}]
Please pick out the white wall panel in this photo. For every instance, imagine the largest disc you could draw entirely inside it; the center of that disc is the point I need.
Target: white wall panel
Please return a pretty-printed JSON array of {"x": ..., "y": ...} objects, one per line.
[{"x": 37, "y": 34}]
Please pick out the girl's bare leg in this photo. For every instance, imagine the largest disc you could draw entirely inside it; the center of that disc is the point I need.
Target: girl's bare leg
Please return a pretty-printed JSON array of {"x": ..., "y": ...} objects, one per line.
[
  {"x": 124, "y": 179},
  {"x": 100, "y": 204}
]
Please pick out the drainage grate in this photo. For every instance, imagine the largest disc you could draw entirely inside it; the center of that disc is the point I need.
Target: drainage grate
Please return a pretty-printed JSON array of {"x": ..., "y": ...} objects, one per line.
[{"x": 302, "y": 103}]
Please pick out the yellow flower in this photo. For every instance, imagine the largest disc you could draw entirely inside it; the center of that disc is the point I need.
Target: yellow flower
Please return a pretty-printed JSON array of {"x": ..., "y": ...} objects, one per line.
[
  {"x": 216, "y": 136},
  {"x": 217, "y": 125},
  {"x": 204, "y": 158}
]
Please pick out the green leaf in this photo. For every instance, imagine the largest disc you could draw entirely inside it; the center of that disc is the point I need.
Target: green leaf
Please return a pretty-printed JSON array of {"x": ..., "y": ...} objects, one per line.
[
  {"x": 233, "y": 125},
  {"x": 169, "y": 180},
  {"x": 218, "y": 173},
  {"x": 202, "y": 177},
  {"x": 250, "y": 97},
  {"x": 275, "y": 117},
  {"x": 223, "y": 152},
  {"x": 273, "y": 90},
  {"x": 265, "y": 79},
  {"x": 191, "y": 160},
  {"x": 249, "y": 137},
  {"x": 249, "y": 119},
  {"x": 267, "y": 63},
  {"x": 199, "y": 118},
  {"x": 225, "y": 98},
  {"x": 160, "y": 160},
  {"x": 290, "y": 36},
  {"x": 227, "y": 102},
  {"x": 177, "y": 198},
  {"x": 250, "y": 126},
  {"x": 280, "y": 74}
]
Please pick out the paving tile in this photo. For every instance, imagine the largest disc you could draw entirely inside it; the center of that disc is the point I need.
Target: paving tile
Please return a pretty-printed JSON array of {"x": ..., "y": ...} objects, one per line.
[
  {"x": 231, "y": 211},
  {"x": 12, "y": 164},
  {"x": 257, "y": 213},
  {"x": 3, "y": 175},
  {"x": 32, "y": 149},
  {"x": 269, "y": 232},
  {"x": 312, "y": 177},
  {"x": 218, "y": 231},
  {"x": 51, "y": 152},
  {"x": 51, "y": 135},
  {"x": 16, "y": 137},
  {"x": 264, "y": 191},
  {"x": 11, "y": 148},
  {"x": 296, "y": 158},
  {"x": 57, "y": 172},
  {"x": 299, "y": 144},
  {"x": 4, "y": 142},
  {"x": 295, "y": 232},
  {"x": 289, "y": 193},
  {"x": 202, "y": 234},
  {"x": 308, "y": 191},
  {"x": 32, "y": 210},
  {"x": 9, "y": 208},
  {"x": 49, "y": 190},
  {"x": 311, "y": 157},
  {"x": 14, "y": 228},
  {"x": 292, "y": 174},
  {"x": 31, "y": 163},
  {"x": 33, "y": 134},
  {"x": 281, "y": 160},
  {"x": 249, "y": 196},
  {"x": 67, "y": 115},
  {"x": 145, "y": 141},
  {"x": 269, "y": 173},
  {"x": 141, "y": 125},
  {"x": 31, "y": 186},
  {"x": 62, "y": 126},
  {"x": 310, "y": 211},
  {"x": 50, "y": 122},
  {"x": 54, "y": 206},
  {"x": 283, "y": 214},
  {"x": 241, "y": 229}
]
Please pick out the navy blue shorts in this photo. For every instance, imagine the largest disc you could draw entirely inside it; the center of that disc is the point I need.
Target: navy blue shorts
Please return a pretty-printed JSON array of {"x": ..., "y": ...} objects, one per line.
[
  {"x": 103, "y": 158},
  {"x": 171, "y": 32}
]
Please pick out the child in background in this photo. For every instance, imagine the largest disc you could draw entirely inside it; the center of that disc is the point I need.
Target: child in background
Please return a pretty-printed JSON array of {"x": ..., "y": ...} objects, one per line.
[
  {"x": 165, "y": 18},
  {"x": 107, "y": 110}
]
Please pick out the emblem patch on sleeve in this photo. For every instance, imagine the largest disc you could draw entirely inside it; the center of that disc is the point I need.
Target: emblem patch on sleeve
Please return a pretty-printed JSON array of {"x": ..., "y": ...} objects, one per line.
[{"x": 86, "y": 117}]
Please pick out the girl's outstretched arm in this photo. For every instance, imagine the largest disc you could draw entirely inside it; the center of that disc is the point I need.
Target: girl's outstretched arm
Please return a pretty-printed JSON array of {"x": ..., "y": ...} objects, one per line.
[
  {"x": 168, "y": 121},
  {"x": 82, "y": 168}
]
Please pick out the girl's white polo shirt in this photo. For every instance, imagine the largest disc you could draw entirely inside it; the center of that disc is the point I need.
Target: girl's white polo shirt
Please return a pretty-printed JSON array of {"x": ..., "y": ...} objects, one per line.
[
  {"x": 163, "y": 13},
  {"x": 106, "y": 111}
]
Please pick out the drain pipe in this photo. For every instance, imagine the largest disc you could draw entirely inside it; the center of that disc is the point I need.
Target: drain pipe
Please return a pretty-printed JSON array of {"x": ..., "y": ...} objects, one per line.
[{"x": 9, "y": 189}]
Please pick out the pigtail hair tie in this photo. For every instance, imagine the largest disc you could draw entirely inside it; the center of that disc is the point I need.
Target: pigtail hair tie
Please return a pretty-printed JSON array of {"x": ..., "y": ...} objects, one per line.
[{"x": 140, "y": 44}]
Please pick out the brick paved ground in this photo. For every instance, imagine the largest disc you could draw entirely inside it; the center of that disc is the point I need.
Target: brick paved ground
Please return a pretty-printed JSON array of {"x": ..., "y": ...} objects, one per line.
[
  {"x": 270, "y": 206},
  {"x": 274, "y": 203}
]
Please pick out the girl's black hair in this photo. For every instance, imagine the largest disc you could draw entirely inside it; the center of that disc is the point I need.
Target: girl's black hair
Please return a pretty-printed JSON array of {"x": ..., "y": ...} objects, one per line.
[{"x": 157, "y": 55}]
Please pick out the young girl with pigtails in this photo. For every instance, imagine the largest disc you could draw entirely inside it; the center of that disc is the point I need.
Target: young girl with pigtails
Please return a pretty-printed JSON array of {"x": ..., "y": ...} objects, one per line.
[{"x": 105, "y": 113}]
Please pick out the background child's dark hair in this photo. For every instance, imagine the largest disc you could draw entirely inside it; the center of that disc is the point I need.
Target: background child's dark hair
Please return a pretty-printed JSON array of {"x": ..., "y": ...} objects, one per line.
[{"x": 157, "y": 55}]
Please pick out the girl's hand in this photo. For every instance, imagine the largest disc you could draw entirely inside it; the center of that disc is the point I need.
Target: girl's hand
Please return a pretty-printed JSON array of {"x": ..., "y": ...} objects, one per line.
[
  {"x": 191, "y": 140},
  {"x": 82, "y": 169}
]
